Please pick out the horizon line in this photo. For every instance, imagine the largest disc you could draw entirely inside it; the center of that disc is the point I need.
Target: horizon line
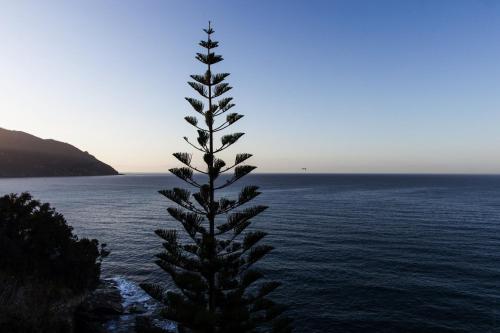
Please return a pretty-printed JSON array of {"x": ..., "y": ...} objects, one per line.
[{"x": 124, "y": 173}]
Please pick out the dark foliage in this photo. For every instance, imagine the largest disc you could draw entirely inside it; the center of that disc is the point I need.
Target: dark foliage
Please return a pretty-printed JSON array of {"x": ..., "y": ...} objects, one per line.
[
  {"x": 218, "y": 288},
  {"x": 36, "y": 242}
]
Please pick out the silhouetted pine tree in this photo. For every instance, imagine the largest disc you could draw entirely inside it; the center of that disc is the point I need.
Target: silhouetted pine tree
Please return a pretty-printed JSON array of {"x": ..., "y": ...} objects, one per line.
[{"x": 213, "y": 271}]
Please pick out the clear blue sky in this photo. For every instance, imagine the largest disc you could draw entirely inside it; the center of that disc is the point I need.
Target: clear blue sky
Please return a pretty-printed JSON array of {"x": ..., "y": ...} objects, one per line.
[{"x": 334, "y": 86}]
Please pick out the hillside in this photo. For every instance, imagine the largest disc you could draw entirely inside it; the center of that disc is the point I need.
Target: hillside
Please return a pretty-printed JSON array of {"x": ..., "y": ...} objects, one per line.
[{"x": 25, "y": 155}]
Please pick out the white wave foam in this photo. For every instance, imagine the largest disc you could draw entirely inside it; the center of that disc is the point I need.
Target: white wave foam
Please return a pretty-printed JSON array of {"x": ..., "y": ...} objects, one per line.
[{"x": 133, "y": 295}]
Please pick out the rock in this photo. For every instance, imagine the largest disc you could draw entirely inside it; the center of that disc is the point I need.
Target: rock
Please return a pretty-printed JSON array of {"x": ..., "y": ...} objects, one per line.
[
  {"x": 104, "y": 303},
  {"x": 146, "y": 325},
  {"x": 136, "y": 308},
  {"x": 105, "y": 300}
]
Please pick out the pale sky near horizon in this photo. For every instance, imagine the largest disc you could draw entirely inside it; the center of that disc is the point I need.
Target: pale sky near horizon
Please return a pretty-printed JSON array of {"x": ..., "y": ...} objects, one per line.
[{"x": 334, "y": 86}]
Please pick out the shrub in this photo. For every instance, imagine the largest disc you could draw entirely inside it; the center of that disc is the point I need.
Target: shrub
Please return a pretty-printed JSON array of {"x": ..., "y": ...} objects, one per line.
[{"x": 36, "y": 242}]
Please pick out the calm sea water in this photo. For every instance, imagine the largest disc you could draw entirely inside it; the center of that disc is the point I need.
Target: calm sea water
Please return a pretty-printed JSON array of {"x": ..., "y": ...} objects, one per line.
[{"x": 356, "y": 253}]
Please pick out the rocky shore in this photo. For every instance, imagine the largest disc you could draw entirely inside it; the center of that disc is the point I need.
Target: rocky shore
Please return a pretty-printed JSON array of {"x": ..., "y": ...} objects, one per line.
[
  {"x": 99, "y": 307},
  {"x": 119, "y": 306},
  {"x": 115, "y": 306}
]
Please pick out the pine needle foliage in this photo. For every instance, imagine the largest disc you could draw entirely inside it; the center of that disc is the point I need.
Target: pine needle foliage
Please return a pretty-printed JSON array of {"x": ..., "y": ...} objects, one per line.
[{"x": 218, "y": 288}]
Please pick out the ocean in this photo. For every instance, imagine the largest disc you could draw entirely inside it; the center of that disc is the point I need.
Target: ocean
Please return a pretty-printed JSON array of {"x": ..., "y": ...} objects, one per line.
[{"x": 355, "y": 253}]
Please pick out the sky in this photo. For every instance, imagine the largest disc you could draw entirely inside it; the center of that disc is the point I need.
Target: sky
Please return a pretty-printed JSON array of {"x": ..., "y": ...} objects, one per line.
[{"x": 332, "y": 86}]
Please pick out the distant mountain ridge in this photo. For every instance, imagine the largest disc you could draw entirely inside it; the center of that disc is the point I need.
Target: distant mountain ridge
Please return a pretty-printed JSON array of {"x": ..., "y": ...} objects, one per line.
[{"x": 25, "y": 155}]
